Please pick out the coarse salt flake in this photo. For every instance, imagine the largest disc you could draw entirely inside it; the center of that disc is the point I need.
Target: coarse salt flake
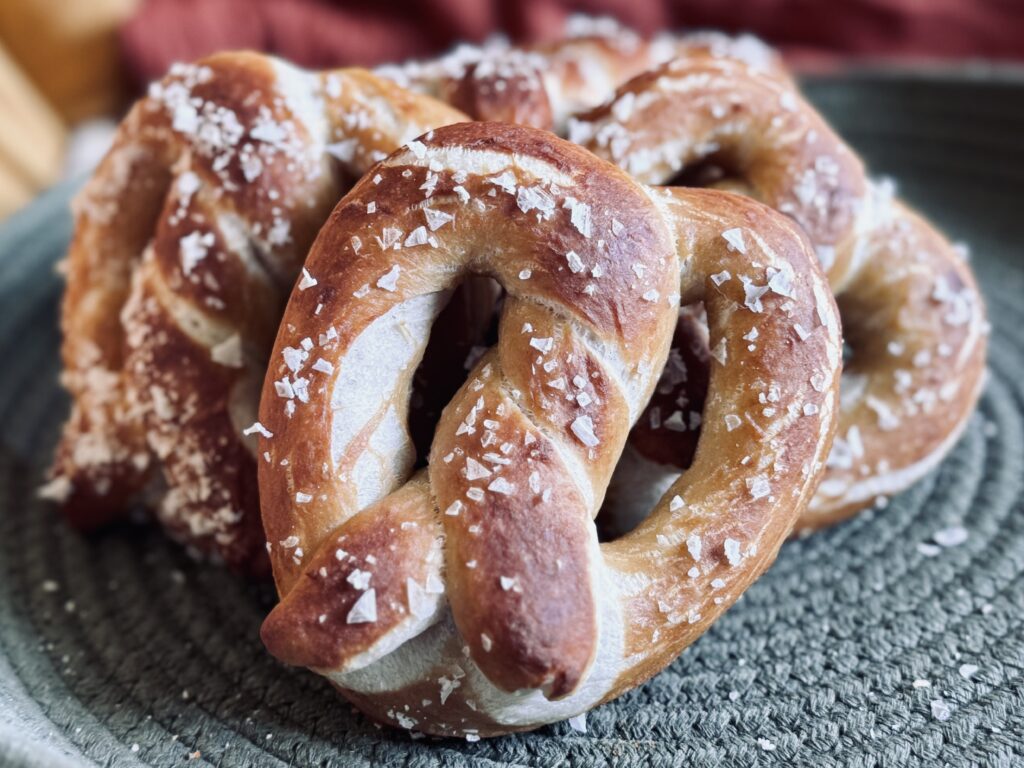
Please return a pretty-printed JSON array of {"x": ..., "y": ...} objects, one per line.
[
  {"x": 255, "y": 428},
  {"x": 389, "y": 281},
  {"x": 734, "y": 237},
  {"x": 364, "y": 611},
  {"x": 732, "y": 552},
  {"x": 583, "y": 428}
]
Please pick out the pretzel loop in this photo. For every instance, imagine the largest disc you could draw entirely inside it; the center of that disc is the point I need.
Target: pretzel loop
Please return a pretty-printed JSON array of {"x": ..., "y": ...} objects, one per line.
[
  {"x": 912, "y": 313},
  {"x": 483, "y": 575}
]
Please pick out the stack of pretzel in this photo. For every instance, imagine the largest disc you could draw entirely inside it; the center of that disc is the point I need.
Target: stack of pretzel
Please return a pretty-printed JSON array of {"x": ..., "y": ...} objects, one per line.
[{"x": 666, "y": 355}]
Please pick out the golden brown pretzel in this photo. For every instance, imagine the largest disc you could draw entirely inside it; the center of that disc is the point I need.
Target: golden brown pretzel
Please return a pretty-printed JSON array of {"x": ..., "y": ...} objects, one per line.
[
  {"x": 544, "y": 84},
  {"x": 473, "y": 598},
  {"x": 912, "y": 313},
  {"x": 187, "y": 240}
]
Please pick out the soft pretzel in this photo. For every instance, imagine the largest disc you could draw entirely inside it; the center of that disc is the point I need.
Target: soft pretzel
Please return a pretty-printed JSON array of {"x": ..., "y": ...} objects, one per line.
[
  {"x": 912, "y": 314},
  {"x": 544, "y": 84},
  {"x": 473, "y": 598},
  {"x": 187, "y": 240}
]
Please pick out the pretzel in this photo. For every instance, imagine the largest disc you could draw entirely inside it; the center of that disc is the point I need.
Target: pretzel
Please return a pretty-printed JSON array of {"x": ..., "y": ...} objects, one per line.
[
  {"x": 472, "y": 598},
  {"x": 544, "y": 84},
  {"x": 187, "y": 240},
  {"x": 912, "y": 314}
]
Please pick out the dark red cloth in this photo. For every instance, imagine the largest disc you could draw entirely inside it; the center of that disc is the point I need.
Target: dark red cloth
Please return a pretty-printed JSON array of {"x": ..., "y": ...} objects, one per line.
[{"x": 322, "y": 33}]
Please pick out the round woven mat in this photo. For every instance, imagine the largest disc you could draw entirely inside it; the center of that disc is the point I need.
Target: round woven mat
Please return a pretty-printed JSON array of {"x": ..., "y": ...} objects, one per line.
[{"x": 116, "y": 649}]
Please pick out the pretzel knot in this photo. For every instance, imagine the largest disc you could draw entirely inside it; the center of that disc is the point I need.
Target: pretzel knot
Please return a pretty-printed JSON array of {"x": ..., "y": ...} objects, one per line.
[
  {"x": 473, "y": 597},
  {"x": 913, "y": 318},
  {"x": 187, "y": 240}
]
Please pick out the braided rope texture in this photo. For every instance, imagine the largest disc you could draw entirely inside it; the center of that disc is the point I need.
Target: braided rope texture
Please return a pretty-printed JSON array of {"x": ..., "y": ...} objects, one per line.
[{"x": 890, "y": 640}]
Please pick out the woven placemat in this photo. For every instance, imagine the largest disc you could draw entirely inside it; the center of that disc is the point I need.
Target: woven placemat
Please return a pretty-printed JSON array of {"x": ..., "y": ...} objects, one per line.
[{"x": 859, "y": 647}]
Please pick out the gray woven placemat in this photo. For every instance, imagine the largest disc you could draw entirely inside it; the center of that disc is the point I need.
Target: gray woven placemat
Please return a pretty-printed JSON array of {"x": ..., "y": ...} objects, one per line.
[{"x": 117, "y": 650}]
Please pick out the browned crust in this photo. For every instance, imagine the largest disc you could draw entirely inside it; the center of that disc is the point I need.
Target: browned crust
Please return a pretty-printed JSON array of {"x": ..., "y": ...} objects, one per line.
[
  {"x": 885, "y": 274},
  {"x": 503, "y": 580},
  {"x": 309, "y": 626},
  {"x": 768, "y": 388},
  {"x": 539, "y": 655},
  {"x": 507, "y": 90},
  {"x": 707, "y": 108},
  {"x": 217, "y": 175}
]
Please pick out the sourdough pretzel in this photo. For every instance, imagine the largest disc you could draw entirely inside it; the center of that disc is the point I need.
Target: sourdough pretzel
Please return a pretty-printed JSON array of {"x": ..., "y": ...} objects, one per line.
[
  {"x": 543, "y": 85},
  {"x": 472, "y": 598},
  {"x": 912, "y": 313},
  {"x": 187, "y": 240}
]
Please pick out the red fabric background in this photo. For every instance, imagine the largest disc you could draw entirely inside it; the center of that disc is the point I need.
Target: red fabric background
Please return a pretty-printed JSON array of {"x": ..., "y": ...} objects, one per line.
[{"x": 320, "y": 33}]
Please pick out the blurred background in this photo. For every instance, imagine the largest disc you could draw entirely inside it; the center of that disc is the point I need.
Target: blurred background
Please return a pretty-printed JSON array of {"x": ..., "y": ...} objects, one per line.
[{"x": 68, "y": 68}]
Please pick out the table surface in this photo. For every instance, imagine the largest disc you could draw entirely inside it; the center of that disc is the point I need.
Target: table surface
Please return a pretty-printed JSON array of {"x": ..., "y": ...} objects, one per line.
[{"x": 117, "y": 649}]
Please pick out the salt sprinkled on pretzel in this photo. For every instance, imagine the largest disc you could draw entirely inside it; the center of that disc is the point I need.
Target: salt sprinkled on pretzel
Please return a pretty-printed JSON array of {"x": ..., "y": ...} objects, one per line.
[
  {"x": 472, "y": 598},
  {"x": 544, "y": 84},
  {"x": 912, "y": 313},
  {"x": 187, "y": 240}
]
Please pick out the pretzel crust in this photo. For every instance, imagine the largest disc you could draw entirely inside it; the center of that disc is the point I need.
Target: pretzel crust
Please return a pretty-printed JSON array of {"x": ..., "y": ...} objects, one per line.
[
  {"x": 543, "y": 85},
  {"x": 474, "y": 599},
  {"x": 912, "y": 312},
  {"x": 187, "y": 240}
]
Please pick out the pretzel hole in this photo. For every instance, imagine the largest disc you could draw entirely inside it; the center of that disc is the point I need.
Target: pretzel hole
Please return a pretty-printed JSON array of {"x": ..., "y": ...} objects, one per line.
[
  {"x": 725, "y": 169},
  {"x": 465, "y": 328},
  {"x": 677, "y": 404},
  {"x": 868, "y": 331}
]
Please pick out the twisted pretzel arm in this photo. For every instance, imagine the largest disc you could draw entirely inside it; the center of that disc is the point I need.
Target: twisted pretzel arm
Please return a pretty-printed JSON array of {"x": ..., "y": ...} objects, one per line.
[
  {"x": 237, "y": 161},
  {"x": 763, "y": 430},
  {"x": 752, "y": 122},
  {"x": 497, "y": 591}
]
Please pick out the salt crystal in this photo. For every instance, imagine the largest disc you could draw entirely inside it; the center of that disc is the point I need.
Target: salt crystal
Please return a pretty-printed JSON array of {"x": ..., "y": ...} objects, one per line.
[
  {"x": 502, "y": 486},
  {"x": 364, "y": 610},
  {"x": 951, "y": 537},
  {"x": 720, "y": 277},
  {"x": 583, "y": 428},
  {"x": 257, "y": 427},
  {"x": 359, "y": 579},
  {"x": 758, "y": 486},
  {"x": 734, "y": 237},
  {"x": 507, "y": 582},
  {"x": 941, "y": 710},
  {"x": 389, "y": 281},
  {"x": 732, "y": 552},
  {"x": 307, "y": 281},
  {"x": 436, "y": 219},
  {"x": 417, "y": 237},
  {"x": 694, "y": 546},
  {"x": 193, "y": 248}
]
